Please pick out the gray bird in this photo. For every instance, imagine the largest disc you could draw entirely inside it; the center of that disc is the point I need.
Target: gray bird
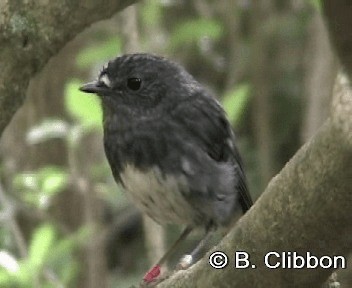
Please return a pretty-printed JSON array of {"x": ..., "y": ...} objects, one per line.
[{"x": 170, "y": 146}]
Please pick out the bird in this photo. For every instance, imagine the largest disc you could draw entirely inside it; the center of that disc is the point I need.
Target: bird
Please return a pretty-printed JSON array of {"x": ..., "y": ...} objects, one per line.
[{"x": 171, "y": 147}]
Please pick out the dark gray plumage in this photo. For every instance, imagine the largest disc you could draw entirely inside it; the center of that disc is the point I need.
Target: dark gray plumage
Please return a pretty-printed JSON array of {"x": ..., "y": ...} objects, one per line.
[{"x": 169, "y": 143}]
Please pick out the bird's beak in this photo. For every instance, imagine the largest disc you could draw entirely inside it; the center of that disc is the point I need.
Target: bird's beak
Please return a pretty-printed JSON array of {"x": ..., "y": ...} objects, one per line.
[{"x": 94, "y": 87}]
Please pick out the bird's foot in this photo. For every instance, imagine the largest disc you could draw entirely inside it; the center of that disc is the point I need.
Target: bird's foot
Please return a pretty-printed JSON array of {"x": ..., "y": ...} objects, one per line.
[
  {"x": 152, "y": 274},
  {"x": 153, "y": 277}
]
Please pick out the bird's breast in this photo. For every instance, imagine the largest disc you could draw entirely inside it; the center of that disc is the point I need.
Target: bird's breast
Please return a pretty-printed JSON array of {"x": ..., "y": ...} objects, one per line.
[{"x": 159, "y": 196}]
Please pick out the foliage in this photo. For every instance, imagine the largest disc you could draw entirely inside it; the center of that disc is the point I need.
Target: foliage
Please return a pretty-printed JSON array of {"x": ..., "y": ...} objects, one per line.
[
  {"x": 193, "y": 31},
  {"x": 85, "y": 108},
  {"x": 49, "y": 260},
  {"x": 38, "y": 187},
  {"x": 235, "y": 102},
  {"x": 99, "y": 52}
]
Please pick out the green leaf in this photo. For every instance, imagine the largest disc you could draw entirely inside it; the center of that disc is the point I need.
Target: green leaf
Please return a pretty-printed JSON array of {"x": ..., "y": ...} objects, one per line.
[
  {"x": 99, "y": 52},
  {"x": 5, "y": 278},
  {"x": 41, "y": 185},
  {"x": 54, "y": 183},
  {"x": 40, "y": 246},
  {"x": 26, "y": 181},
  {"x": 193, "y": 31},
  {"x": 83, "y": 107},
  {"x": 66, "y": 246},
  {"x": 235, "y": 101},
  {"x": 52, "y": 179},
  {"x": 61, "y": 258}
]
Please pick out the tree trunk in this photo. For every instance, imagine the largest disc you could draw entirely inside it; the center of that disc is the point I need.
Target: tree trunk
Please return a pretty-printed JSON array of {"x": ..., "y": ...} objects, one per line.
[
  {"x": 262, "y": 109},
  {"x": 32, "y": 32},
  {"x": 321, "y": 74}
]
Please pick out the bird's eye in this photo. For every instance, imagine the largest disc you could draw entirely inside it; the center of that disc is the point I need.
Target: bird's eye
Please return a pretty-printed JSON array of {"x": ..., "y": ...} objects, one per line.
[{"x": 134, "y": 83}]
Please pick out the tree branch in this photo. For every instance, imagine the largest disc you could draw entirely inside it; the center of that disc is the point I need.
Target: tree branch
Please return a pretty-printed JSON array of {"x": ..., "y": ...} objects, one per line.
[{"x": 33, "y": 31}]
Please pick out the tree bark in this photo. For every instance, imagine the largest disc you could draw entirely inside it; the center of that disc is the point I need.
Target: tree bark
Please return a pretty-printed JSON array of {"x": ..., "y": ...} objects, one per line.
[
  {"x": 261, "y": 75},
  {"x": 33, "y": 31},
  {"x": 319, "y": 80}
]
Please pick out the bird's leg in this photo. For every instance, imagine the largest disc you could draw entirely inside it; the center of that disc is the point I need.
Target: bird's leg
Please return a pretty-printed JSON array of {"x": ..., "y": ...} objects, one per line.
[
  {"x": 154, "y": 272},
  {"x": 187, "y": 260}
]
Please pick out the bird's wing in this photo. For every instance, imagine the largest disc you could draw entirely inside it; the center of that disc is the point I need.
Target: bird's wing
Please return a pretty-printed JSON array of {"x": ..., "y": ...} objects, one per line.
[
  {"x": 206, "y": 119},
  {"x": 245, "y": 197}
]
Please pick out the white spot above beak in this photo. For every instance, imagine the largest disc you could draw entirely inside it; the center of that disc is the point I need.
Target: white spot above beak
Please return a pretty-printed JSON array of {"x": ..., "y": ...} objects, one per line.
[{"x": 105, "y": 79}]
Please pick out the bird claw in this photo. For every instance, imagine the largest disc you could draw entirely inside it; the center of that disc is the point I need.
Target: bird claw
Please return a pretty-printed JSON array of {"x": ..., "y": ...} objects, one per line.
[{"x": 185, "y": 262}]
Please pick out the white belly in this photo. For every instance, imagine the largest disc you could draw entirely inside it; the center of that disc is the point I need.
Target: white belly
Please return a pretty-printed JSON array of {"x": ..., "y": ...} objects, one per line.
[{"x": 157, "y": 196}]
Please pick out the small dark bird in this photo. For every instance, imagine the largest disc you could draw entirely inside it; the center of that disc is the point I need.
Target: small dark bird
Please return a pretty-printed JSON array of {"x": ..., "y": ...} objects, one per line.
[{"x": 170, "y": 146}]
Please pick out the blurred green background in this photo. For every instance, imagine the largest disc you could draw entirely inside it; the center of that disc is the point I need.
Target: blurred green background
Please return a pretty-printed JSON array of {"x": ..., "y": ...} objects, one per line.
[{"x": 63, "y": 220}]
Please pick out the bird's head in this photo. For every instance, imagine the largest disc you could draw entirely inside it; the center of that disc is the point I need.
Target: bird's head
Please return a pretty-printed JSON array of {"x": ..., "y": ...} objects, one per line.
[{"x": 141, "y": 81}]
